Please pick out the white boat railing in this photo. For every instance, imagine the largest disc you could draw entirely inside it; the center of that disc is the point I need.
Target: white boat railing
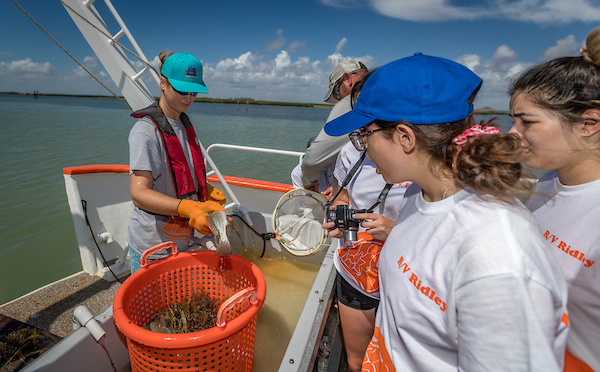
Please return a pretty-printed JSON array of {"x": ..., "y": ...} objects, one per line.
[
  {"x": 256, "y": 149},
  {"x": 229, "y": 193}
]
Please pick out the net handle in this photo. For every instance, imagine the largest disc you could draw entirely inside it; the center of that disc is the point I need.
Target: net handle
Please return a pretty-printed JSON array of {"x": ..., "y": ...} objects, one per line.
[
  {"x": 156, "y": 248},
  {"x": 234, "y": 300}
]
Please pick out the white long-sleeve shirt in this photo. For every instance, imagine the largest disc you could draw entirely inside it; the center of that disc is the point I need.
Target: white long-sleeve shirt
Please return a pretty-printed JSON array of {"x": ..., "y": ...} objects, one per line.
[{"x": 323, "y": 151}]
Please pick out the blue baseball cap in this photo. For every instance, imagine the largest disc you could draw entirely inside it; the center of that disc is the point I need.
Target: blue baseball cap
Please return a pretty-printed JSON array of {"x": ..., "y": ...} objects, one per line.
[
  {"x": 419, "y": 89},
  {"x": 184, "y": 72}
]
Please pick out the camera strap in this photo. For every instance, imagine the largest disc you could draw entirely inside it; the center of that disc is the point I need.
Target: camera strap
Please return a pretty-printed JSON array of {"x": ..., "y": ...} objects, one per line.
[
  {"x": 351, "y": 174},
  {"x": 381, "y": 197}
]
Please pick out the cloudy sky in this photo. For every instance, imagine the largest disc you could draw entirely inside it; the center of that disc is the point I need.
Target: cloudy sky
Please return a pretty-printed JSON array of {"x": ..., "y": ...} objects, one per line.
[{"x": 284, "y": 50}]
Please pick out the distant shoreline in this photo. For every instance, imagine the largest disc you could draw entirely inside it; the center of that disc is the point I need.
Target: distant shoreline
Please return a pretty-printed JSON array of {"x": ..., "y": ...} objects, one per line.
[
  {"x": 234, "y": 101},
  {"x": 240, "y": 101}
]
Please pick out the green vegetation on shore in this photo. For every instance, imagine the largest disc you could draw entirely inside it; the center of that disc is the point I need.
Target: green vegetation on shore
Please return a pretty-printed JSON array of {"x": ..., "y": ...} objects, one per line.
[
  {"x": 250, "y": 101},
  {"x": 235, "y": 101},
  {"x": 240, "y": 101}
]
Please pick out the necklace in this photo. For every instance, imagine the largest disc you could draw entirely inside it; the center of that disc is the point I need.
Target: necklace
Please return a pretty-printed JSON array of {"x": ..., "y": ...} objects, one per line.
[{"x": 448, "y": 189}]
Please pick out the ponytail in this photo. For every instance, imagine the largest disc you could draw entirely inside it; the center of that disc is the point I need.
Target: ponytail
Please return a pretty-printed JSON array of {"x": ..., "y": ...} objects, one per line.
[
  {"x": 163, "y": 57},
  {"x": 490, "y": 165}
]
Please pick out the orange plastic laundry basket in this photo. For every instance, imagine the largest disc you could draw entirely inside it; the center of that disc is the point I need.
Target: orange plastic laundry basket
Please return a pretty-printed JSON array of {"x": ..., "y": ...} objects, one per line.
[{"x": 232, "y": 281}]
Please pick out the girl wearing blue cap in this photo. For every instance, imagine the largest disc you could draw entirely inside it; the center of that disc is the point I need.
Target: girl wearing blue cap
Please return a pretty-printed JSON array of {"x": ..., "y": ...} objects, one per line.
[
  {"x": 356, "y": 261},
  {"x": 466, "y": 281},
  {"x": 556, "y": 108},
  {"x": 168, "y": 177}
]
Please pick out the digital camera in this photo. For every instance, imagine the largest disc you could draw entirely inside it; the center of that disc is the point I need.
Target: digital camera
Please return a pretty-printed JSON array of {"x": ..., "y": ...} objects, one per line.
[{"x": 342, "y": 219}]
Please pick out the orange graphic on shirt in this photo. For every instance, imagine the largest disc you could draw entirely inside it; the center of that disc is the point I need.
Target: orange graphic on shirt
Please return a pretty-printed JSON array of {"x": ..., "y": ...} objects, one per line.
[
  {"x": 377, "y": 358},
  {"x": 574, "y": 364},
  {"x": 360, "y": 261},
  {"x": 176, "y": 229}
]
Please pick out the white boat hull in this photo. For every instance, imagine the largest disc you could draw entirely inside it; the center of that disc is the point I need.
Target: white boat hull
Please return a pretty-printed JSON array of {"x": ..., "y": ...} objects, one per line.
[{"x": 107, "y": 187}]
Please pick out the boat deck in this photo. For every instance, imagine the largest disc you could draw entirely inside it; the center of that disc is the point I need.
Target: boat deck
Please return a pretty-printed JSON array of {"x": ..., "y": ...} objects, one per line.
[{"x": 50, "y": 308}]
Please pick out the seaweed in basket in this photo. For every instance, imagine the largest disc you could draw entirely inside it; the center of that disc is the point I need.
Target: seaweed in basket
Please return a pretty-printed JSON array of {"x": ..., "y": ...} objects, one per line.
[
  {"x": 19, "y": 345},
  {"x": 197, "y": 313}
]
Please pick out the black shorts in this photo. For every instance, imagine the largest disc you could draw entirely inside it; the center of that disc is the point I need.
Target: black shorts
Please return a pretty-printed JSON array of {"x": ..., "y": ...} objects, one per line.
[{"x": 351, "y": 297}]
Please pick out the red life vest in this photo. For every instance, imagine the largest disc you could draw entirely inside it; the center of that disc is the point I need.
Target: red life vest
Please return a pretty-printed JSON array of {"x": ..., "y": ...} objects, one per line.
[{"x": 178, "y": 164}]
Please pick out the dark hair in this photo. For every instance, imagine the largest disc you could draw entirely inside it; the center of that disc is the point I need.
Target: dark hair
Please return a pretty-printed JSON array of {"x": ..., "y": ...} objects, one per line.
[
  {"x": 488, "y": 164},
  {"x": 566, "y": 86},
  {"x": 163, "y": 57},
  {"x": 358, "y": 86}
]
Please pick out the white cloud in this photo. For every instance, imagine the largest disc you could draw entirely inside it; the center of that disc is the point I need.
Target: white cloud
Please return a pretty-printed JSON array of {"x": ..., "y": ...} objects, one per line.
[
  {"x": 504, "y": 54},
  {"x": 297, "y": 46},
  {"x": 26, "y": 76},
  {"x": 91, "y": 62},
  {"x": 282, "y": 60},
  {"x": 277, "y": 43},
  {"x": 496, "y": 74},
  {"x": 563, "y": 48},
  {"x": 154, "y": 63},
  {"x": 27, "y": 68},
  {"x": 280, "y": 79},
  {"x": 546, "y": 11},
  {"x": 426, "y": 10},
  {"x": 538, "y": 11},
  {"x": 340, "y": 45},
  {"x": 244, "y": 62}
]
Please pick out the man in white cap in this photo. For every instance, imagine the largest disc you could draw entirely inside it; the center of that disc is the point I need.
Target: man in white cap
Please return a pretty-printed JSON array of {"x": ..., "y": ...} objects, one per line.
[{"x": 323, "y": 151}]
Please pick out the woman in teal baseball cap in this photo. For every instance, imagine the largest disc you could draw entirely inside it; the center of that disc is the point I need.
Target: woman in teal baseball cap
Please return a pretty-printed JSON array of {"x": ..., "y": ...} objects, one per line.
[
  {"x": 466, "y": 280},
  {"x": 168, "y": 176}
]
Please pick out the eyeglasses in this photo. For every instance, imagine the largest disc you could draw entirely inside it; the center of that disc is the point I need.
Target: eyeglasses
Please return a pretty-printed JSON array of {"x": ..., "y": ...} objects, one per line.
[{"x": 359, "y": 138}]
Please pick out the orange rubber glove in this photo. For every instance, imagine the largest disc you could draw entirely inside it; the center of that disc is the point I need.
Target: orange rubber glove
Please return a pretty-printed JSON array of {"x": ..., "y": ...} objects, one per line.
[
  {"x": 197, "y": 212},
  {"x": 215, "y": 194}
]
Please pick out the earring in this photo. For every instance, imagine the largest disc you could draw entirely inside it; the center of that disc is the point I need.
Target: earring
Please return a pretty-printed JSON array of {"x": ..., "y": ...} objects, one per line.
[{"x": 586, "y": 132}]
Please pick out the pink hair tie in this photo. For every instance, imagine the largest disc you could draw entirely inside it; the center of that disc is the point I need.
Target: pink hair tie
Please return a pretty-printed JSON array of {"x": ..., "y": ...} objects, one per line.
[
  {"x": 475, "y": 130},
  {"x": 585, "y": 54}
]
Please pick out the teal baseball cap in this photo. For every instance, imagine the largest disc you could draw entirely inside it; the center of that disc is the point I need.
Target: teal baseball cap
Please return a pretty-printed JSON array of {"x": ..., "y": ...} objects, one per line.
[
  {"x": 419, "y": 89},
  {"x": 184, "y": 72}
]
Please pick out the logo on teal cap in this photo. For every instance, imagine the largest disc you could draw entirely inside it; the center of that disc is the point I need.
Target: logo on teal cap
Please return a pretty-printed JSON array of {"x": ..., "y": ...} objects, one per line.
[{"x": 191, "y": 72}]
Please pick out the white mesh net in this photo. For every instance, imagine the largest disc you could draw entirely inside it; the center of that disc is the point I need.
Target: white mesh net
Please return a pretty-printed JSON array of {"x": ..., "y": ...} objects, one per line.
[{"x": 297, "y": 221}]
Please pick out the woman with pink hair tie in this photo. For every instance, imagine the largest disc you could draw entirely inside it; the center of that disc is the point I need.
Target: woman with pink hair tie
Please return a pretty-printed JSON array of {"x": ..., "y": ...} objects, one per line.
[{"x": 465, "y": 277}]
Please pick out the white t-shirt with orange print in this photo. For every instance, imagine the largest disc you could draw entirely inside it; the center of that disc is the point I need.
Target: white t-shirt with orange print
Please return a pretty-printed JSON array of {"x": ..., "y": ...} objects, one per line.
[
  {"x": 569, "y": 218},
  {"x": 467, "y": 284},
  {"x": 356, "y": 261}
]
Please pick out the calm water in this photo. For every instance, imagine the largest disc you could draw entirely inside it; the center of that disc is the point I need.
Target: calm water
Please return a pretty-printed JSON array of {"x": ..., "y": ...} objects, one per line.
[{"x": 41, "y": 137}]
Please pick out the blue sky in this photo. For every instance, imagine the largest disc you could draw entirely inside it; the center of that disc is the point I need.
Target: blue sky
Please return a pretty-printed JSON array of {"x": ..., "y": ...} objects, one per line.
[{"x": 284, "y": 50}]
